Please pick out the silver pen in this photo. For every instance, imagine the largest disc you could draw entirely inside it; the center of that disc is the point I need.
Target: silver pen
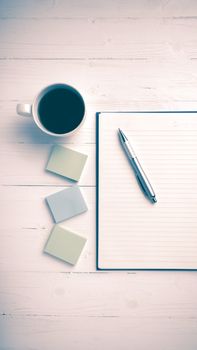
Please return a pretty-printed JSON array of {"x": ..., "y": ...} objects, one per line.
[{"x": 139, "y": 172}]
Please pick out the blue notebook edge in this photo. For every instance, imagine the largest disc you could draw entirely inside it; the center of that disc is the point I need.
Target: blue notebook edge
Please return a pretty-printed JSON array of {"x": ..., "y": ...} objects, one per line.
[{"x": 97, "y": 192}]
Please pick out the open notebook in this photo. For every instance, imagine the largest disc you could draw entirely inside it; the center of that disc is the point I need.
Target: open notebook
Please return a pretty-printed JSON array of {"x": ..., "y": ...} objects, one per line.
[{"x": 132, "y": 233}]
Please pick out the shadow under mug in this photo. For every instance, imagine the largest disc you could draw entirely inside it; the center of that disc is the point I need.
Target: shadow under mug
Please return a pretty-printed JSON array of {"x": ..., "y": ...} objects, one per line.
[{"x": 58, "y": 107}]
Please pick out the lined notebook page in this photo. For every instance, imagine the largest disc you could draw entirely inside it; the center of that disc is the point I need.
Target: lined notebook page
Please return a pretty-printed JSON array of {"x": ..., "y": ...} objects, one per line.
[{"x": 133, "y": 233}]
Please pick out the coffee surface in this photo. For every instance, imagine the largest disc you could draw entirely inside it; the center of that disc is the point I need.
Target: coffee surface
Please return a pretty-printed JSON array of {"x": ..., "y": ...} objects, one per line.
[{"x": 61, "y": 110}]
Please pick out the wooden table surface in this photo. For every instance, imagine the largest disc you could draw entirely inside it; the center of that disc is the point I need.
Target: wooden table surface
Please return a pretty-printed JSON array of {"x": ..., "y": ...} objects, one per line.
[{"x": 121, "y": 55}]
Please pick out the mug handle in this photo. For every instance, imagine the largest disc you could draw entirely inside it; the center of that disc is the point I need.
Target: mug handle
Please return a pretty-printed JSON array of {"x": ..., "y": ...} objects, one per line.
[{"x": 24, "y": 109}]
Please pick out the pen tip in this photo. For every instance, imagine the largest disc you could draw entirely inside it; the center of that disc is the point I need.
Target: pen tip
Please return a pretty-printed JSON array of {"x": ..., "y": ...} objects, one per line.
[
  {"x": 154, "y": 199},
  {"x": 122, "y": 135}
]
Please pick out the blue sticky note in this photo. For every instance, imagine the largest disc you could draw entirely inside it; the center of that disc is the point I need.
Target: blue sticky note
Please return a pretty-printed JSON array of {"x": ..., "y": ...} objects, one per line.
[{"x": 66, "y": 204}]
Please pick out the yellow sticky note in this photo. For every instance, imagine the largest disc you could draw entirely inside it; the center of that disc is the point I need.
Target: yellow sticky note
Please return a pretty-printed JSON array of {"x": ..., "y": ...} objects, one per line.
[
  {"x": 65, "y": 245},
  {"x": 66, "y": 162}
]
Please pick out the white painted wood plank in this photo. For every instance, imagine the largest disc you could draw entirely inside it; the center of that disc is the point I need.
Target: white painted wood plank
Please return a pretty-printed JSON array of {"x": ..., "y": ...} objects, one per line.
[
  {"x": 102, "y": 8},
  {"x": 105, "y": 84},
  {"x": 31, "y": 332},
  {"x": 137, "y": 295},
  {"x": 138, "y": 39},
  {"x": 111, "y": 310}
]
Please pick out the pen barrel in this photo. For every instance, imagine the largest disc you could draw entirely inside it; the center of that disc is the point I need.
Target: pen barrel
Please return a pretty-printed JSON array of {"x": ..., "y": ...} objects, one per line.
[
  {"x": 129, "y": 150},
  {"x": 139, "y": 172},
  {"x": 141, "y": 176}
]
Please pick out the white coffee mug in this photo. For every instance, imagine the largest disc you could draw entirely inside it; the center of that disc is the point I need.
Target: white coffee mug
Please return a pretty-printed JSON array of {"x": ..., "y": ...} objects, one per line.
[{"x": 72, "y": 107}]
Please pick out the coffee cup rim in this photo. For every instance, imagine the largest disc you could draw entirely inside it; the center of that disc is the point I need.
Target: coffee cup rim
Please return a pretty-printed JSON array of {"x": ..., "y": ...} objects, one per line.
[{"x": 35, "y": 105}]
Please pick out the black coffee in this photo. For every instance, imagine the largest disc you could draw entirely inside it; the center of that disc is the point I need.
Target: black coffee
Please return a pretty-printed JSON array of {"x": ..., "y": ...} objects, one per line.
[{"x": 61, "y": 109}]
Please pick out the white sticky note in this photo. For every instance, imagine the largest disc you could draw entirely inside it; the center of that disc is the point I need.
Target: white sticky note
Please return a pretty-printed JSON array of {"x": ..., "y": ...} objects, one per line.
[{"x": 66, "y": 162}]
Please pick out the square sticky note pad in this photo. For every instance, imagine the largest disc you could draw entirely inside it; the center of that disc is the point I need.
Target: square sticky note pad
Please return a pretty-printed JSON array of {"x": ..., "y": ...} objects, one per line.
[
  {"x": 66, "y": 203},
  {"x": 66, "y": 162},
  {"x": 65, "y": 245}
]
